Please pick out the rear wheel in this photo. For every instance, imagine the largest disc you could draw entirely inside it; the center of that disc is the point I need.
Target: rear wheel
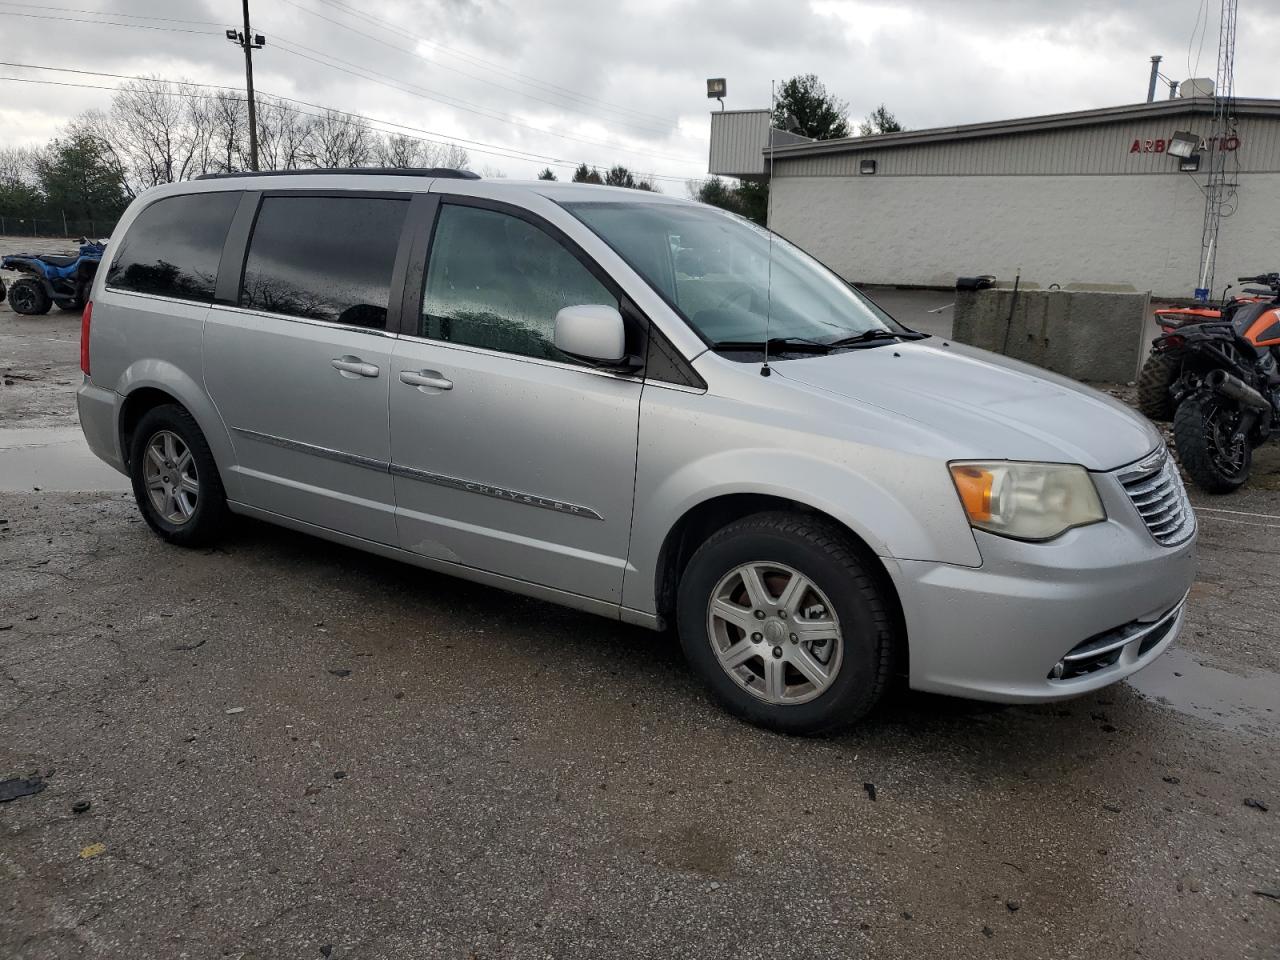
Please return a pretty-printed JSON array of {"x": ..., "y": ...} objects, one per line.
[
  {"x": 175, "y": 479},
  {"x": 1158, "y": 375},
  {"x": 29, "y": 297},
  {"x": 786, "y": 625},
  {"x": 1204, "y": 431}
]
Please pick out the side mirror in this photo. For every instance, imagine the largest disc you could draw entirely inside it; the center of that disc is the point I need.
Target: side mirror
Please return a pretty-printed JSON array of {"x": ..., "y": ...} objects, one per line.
[{"x": 592, "y": 332}]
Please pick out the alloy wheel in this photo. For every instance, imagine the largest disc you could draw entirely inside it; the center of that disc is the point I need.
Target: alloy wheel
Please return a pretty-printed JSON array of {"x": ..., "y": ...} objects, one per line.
[
  {"x": 170, "y": 477},
  {"x": 774, "y": 632}
]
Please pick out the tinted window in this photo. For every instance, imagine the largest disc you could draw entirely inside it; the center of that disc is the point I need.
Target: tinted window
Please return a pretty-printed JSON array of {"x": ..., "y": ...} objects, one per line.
[
  {"x": 324, "y": 258},
  {"x": 173, "y": 247},
  {"x": 497, "y": 281}
]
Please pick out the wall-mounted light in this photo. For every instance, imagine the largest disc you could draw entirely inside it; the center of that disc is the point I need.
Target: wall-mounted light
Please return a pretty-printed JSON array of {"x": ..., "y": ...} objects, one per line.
[
  {"x": 717, "y": 89},
  {"x": 867, "y": 166},
  {"x": 1189, "y": 164},
  {"x": 1182, "y": 144}
]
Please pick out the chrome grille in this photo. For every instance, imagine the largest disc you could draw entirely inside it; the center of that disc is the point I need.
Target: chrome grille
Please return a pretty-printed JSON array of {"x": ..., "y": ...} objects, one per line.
[{"x": 1156, "y": 491}]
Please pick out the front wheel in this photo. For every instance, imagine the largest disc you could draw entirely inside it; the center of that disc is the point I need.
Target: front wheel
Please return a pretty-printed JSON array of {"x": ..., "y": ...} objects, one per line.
[
  {"x": 29, "y": 297},
  {"x": 1204, "y": 432},
  {"x": 175, "y": 479},
  {"x": 782, "y": 618}
]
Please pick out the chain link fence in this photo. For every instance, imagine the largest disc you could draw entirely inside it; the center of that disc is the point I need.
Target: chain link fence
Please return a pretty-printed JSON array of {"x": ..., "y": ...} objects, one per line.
[{"x": 55, "y": 227}]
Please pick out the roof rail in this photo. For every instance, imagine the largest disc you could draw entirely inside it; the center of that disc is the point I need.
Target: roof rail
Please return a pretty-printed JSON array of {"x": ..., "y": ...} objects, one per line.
[{"x": 442, "y": 172}]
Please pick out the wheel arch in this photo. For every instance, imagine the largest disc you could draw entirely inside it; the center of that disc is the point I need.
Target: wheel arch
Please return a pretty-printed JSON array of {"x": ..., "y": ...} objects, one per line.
[
  {"x": 153, "y": 383},
  {"x": 703, "y": 519}
]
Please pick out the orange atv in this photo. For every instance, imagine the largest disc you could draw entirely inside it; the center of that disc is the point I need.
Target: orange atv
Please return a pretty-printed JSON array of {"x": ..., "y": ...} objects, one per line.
[
  {"x": 1226, "y": 393},
  {"x": 1163, "y": 366}
]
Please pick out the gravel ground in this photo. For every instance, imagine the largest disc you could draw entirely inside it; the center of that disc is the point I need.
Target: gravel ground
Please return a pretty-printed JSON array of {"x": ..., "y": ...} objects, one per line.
[{"x": 291, "y": 749}]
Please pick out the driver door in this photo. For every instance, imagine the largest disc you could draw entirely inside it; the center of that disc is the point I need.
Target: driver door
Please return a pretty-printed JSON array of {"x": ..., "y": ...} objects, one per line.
[{"x": 507, "y": 455}]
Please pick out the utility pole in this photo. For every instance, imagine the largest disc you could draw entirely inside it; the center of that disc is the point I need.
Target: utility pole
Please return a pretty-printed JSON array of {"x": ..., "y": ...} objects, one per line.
[
  {"x": 250, "y": 42},
  {"x": 1151, "y": 85}
]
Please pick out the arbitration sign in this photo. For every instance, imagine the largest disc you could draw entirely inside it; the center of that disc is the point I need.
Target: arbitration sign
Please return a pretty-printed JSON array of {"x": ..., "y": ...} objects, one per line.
[{"x": 1211, "y": 143}]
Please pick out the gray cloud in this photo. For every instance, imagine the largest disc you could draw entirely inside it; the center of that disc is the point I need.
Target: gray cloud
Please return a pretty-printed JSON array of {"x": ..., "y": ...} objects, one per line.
[{"x": 934, "y": 62}]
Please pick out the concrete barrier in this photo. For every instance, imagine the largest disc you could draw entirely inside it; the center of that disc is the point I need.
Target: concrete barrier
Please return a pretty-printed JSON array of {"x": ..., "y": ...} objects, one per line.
[{"x": 1087, "y": 335}]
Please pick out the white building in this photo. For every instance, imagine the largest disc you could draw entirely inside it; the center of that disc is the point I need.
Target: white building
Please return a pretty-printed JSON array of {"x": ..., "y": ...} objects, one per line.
[{"x": 1087, "y": 200}]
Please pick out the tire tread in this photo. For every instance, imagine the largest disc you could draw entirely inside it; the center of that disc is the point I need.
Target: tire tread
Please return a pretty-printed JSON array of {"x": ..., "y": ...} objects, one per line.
[
  {"x": 823, "y": 535},
  {"x": 1193, "y": 449}
]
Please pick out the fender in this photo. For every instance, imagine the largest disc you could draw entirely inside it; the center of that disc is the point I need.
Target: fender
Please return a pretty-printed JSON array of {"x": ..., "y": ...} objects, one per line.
[
  {"x": 168, "y": 378},
  {"x": 932, "y": 526}
]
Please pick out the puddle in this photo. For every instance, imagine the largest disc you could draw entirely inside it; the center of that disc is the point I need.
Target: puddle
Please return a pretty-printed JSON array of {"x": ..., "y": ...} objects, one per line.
[
  {"x": 56, "y": 459},
  {"x": 1178, "y": 681}
]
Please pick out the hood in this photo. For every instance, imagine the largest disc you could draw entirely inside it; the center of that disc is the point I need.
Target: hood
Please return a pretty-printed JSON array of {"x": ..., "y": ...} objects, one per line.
[{"x": 988, "y": 406}]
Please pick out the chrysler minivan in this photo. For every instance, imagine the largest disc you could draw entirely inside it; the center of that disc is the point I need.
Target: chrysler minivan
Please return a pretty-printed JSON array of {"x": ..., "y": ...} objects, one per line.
[{"x": 642, "y": 407}]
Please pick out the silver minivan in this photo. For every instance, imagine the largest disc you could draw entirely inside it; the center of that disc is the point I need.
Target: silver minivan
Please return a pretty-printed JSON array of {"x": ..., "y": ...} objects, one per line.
[{"x": 638, "y": 406}]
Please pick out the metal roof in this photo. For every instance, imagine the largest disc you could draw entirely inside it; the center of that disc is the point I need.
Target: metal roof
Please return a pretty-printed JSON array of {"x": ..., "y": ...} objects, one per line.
[{"x": 1188, "y": 106}]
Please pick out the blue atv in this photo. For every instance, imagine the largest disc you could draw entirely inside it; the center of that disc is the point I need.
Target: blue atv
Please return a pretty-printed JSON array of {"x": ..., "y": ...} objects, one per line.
[{"x": 52, "y": 280}]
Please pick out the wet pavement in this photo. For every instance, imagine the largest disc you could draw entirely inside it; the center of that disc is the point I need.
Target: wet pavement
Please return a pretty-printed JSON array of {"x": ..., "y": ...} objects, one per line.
[
  {"x": 292, "y": 749},
  {"x": 52, "y": 458}
]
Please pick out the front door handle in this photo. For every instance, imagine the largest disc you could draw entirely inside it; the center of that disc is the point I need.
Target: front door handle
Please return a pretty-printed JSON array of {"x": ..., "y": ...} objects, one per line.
[
  {"x": 430, "y": 379},
  {"x": 350, "y": 366}
]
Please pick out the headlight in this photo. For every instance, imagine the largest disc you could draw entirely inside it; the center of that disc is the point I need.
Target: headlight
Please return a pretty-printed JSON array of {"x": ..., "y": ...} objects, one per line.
[{"x": 1027, "y": 501}]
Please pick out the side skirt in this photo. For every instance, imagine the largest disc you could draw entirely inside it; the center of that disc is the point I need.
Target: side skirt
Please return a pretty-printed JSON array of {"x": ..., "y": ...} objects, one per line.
[{"x": 576, "y": 601}]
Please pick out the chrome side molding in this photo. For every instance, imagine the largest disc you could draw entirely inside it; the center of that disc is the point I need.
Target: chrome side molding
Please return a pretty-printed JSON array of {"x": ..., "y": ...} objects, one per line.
[{"x": 422, "y": 476}]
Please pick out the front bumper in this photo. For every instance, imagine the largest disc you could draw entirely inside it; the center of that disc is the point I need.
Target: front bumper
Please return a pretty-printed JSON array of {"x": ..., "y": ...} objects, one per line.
[{"x": 1107, "y": 594}]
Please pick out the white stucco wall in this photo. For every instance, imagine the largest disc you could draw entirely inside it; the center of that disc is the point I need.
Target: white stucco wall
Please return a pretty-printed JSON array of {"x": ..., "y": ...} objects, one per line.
[{"x": 1139, "y": 232}]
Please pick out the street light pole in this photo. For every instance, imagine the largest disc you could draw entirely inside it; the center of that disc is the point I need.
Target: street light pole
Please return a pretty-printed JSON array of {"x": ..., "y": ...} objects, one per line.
[{"x": 250, "y": 42}]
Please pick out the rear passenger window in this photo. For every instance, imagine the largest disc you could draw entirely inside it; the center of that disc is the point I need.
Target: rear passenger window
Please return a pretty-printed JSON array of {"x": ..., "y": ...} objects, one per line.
[
  {"x": 324, "y": 258},
  {"x": 496, "y": 281},
  {"x": 173, "y": 247}
]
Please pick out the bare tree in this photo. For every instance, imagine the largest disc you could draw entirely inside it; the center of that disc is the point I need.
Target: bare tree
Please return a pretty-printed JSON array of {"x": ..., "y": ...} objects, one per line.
[
  {"x": 155, "y": 132},
  {"x": 399, "y": 150},
  {"x": 338, "y": 140},
  {"x": 17, "y": 165},
  {"x": 226, "y": 148},
  {"x": 283, "y": 136}
]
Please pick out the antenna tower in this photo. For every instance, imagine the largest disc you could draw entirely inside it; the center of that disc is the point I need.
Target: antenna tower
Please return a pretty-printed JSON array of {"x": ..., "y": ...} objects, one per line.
[{"x": 1220, "y": 190}]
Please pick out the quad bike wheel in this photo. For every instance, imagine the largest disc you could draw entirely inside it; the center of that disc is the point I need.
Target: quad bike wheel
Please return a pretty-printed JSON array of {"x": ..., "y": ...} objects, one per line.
[
  {"x": 1204, "y": 431},
  {"x": 1158, "y": 376},
  {"x": 29, "y": 297}
]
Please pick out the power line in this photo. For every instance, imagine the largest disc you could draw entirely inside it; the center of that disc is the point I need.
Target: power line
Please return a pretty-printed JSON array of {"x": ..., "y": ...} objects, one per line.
[
  {"x": 386, "y": 80},
  {"x": 111, "y": 13},
  {"x": 489, "y": 64},
  {"x": 390, "y": 82},
  {"x": 106, "y": 23},
  {"x": 622, "y": 119},
  {"x": 479, "y": 146}
]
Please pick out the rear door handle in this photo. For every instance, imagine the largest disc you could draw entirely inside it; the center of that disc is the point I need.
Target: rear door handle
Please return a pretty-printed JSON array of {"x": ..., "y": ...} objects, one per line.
[
  {"x": 430, "y": 379},
  {"x": 350, "y": 366}
]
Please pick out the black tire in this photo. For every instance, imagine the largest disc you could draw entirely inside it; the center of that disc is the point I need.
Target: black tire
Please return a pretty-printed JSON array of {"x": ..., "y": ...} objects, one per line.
[
  {"x": 1198, "y": 429},
  {"x": 1158, "y": 375},
  {"x": 29, "y": 297},
  {"x": 825, "y": 555},
  {"x": 210, "y": 514}
]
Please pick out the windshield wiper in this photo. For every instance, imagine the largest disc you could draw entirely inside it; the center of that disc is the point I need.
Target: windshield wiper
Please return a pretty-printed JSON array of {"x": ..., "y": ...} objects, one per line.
[
  {"x": 875, "y": 334},
  {"x": 780, "y": 344}
]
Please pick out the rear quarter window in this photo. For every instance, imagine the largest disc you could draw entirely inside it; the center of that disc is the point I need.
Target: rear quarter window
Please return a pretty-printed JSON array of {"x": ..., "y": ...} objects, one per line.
[{"x": 172, "y": 248}]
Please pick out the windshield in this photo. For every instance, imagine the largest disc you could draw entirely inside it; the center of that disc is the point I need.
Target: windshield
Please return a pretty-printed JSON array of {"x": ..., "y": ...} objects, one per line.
[{"x": 715, "y": 268}]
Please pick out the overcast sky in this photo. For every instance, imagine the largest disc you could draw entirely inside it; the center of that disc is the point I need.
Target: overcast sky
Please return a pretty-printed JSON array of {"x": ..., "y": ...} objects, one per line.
[{"x": 624, "y": 82}]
